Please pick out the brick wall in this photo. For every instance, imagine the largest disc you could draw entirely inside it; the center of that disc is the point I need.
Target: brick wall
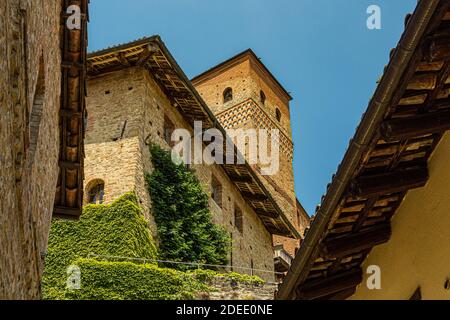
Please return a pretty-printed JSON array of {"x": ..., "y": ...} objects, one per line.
[{"x": 246, "y": 110}]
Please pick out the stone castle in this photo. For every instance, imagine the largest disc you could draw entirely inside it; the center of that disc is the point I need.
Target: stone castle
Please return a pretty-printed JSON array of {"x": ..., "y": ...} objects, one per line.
[
  {"x": 60, "y": 150},
  {"x": 137, "y": 95}
]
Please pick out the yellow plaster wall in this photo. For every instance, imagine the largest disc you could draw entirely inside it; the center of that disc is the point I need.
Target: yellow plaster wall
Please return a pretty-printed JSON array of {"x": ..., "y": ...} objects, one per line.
[{"x": 418, "y": 253}]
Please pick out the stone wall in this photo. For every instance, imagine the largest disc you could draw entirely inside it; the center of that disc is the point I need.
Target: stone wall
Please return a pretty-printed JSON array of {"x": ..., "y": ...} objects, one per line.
[
  {"x": 29, "y": 37},
  {"x": 246, "y": 110},
  {"x": 131, "y": 95},
  {"x": 114, "y": 163},
  {"x": 223, "y": 289}
]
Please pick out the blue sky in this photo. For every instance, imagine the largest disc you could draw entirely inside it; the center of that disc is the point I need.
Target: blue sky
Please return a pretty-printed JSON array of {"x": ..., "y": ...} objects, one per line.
[{"x": 320, "y": 50}]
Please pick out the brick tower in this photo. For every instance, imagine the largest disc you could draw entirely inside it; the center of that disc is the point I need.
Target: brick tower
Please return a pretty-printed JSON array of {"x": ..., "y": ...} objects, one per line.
[{"x": 243, "y": 93}]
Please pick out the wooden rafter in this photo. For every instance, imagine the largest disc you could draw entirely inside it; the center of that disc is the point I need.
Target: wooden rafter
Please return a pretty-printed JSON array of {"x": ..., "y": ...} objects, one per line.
[
  {"x": 390, "y": 182},
  {"x": 320, "y": 288}
]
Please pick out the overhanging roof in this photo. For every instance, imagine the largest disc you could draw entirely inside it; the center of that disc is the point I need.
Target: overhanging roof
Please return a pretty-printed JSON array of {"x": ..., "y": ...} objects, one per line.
[
  {"x": 388, "y": 156},
  {"x": 69, "y": 190},
  {"x": 152, "y": 54}
]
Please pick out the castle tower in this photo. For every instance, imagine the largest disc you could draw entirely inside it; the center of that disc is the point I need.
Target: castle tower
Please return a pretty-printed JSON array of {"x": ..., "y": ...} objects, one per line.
[
  {"x": 243, "y": 93},
  {"x": 137, "y": 96}
]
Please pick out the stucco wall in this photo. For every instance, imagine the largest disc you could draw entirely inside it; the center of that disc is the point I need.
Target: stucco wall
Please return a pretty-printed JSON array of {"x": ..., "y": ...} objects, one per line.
[{"x": 418, "y": 254}]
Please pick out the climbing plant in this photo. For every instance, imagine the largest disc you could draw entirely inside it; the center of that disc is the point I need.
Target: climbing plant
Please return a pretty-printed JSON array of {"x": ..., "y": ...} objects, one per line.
[
  {"x": 115, "y": 234},
  {"x": 122, "y": 280},
  {"x": 180, "y": 207},
  {"x": 118, "y": 229}
]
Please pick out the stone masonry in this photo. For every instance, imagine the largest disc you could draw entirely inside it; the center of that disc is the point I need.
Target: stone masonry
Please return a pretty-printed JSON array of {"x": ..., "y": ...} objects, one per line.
[
  {"x": 233, "y": 290},
  {"x": 29, "y": 103},
  {"x": 126, "y": 111},
  {"x": 247, "y": 78}
]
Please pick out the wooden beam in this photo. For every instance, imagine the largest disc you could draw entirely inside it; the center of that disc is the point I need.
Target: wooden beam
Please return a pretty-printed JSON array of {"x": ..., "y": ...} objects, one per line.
[
  {"x": 254, "y": 197},
  {"x": 397, "y": 181},
  {"x": 69, "y": 165},
  {"x": 354, "y": 243},
  {"x": 423, "y": 82},
  {"x": 67, "y": 213},
  {"x": 122, "y": 59},
  {"x": 439, "y": 49},
  {"x": 242, "y": 179},
  {"x": 266, "y": 213},
  {"x": 70, "y": 114},
  {"x": 317, "y": 289},
  {"x": 368, "y": 207},
  {"x": 72, "y": 65},
  {"x": 419, "y": 125},
  {"x": 180, "y": 95},
  {"x": 145, "y": 55}
]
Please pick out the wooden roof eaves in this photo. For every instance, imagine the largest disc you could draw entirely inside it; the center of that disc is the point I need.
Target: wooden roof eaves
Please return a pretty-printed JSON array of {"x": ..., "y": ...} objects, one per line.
[
  {"x": 378, "y": 107},
  {"x": 69, "y": 191},
  {"x": 212, "y": 120},
  {"x": 120, "y": 47}
]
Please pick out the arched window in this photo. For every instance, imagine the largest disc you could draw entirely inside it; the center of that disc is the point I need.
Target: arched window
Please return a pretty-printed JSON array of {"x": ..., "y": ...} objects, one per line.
[
  {"x": 262, "y": 97},
  {"x": 227, "y": 95},
  {"x": 96, "y": 192},
  {"x": 278, "y": 114}
]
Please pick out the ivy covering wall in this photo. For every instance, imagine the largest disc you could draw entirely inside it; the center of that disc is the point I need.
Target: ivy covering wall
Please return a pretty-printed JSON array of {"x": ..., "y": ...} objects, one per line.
[
  {"x": 184, "y": 222},
  {"x": 104, "y": 280},
  {"x": 120, "y": 230},
  {"x": 186, "y": 233}
]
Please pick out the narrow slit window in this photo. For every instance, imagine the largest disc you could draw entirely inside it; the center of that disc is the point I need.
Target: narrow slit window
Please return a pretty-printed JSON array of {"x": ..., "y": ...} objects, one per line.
[
  {"x": 169, "y": 127},
  {"x": 216, "y": 191},
  {"x": 238, "y": 220},
  {"x": 262, "y": 96},
  {"x": 278, "y": 114}
]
